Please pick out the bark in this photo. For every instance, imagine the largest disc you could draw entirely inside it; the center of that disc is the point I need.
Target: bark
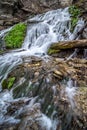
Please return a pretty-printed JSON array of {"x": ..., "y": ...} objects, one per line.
[{"x": 69, "y": 44}]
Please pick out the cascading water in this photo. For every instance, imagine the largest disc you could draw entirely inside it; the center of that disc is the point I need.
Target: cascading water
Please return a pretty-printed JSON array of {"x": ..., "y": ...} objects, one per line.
[
  {"x": 71, "y": 91},
  {"x": 42, "y": 31},
  {"x": 51, "y": 27}
]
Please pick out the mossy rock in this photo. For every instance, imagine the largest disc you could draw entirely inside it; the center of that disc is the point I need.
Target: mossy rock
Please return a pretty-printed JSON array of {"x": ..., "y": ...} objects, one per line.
[
  {"x": 8, "y": 83},
  {"x": 15, "y": 37}
]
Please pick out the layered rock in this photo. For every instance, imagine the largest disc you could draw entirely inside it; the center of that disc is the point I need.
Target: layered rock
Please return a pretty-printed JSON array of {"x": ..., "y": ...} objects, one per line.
[{"x": 48, "y": 83}]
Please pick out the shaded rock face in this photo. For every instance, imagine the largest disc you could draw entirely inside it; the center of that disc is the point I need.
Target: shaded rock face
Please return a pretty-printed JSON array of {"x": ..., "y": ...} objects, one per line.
[
  {"x": 14, "y": 11},
  {"x": 7, "y": 10},
  {"x": 33, "y": 6},
  {"x": 47, "y": 85},
  {"x": 41, "y": 6}
]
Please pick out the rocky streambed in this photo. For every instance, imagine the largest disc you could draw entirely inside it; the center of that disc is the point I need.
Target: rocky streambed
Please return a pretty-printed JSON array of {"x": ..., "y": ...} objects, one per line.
[
  {"x": 54, "y": 86},
  {"x": 57, "y": 88}
]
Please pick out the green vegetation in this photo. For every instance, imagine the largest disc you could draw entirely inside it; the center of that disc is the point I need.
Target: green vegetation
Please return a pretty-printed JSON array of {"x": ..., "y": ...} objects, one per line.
[
  {"x": 15, "y": 37},
  {"x": 75, "y": 13},
  {"x": 52, "y": 51},
  {"x": 8, "y": 83}
]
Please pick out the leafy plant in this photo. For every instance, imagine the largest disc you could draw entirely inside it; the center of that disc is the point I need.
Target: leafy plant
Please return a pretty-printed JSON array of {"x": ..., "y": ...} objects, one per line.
[
  {"x": 75, "y": 13},
  {"x": 8, "y": 83},
  {"x": 15, "y": 37},
  {"x": 11, "y": 82}
]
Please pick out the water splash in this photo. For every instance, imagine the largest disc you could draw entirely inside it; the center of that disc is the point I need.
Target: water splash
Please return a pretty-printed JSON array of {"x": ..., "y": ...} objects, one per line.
[
  {"x": 3, "y": 32},
  {"x": 70, "y": 92},
  {"x": 46, "y": 123}
]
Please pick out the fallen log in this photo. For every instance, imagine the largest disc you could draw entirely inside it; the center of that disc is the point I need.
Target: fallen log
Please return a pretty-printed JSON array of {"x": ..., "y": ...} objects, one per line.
[{"x": 64, "y": 45}]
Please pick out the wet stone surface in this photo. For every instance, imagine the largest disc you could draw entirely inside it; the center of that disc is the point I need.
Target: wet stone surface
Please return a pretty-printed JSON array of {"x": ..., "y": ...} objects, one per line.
[{"x": 46, "y": 83}]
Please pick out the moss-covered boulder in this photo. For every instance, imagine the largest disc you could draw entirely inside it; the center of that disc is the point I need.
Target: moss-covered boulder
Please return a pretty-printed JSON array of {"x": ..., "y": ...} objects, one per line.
[{"x": 15, "y": 37}]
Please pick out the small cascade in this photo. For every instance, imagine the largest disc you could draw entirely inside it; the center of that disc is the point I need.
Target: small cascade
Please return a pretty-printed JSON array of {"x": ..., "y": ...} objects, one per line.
[
  {"x": 51, "y": 27},
  {"x": 3, "y": 32},
  {"x": 47, "y": 123},
  {"x": 70, "y": 92},
  {"x": 5, "y": 98}
]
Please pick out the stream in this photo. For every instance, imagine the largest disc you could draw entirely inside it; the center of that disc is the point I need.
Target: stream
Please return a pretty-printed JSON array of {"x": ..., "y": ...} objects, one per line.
[{"x": 42, "y": 31}]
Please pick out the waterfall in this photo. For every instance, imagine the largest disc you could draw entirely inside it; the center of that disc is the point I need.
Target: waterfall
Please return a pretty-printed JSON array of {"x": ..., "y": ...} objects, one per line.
[
  {"x": 42, "y": 31},
  {"x": 46, "y": 29}
]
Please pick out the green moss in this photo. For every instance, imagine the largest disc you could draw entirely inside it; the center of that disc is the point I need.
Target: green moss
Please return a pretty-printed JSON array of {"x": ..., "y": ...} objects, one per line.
[
  {"x": 15, "y": 37},
  {"x": 75, "y": 13},
  {"x": 8, "y": 83},
  {"x": 52, "y": 51}
]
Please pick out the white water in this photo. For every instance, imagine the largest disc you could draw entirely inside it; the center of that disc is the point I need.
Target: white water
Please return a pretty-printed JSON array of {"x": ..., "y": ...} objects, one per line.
[
  {"x": 47, "y": 123},
  {"x": 46, "y": 29},
  {"x": 70, "y": 92},
  {"x": 3, "y": 32}
]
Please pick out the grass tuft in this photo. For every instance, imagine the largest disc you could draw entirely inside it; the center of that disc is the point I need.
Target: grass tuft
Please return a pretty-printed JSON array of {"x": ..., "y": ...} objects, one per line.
[{"x": 75, "y": 13}]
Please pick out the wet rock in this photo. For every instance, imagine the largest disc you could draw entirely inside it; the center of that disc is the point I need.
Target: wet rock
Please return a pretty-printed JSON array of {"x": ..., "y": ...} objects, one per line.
[
  {"x": 84, "y": 34},
  {"x": 47, "y": 82},
  {"x": 39, "y": 72},
  {"x": 23, "y": 113}
]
